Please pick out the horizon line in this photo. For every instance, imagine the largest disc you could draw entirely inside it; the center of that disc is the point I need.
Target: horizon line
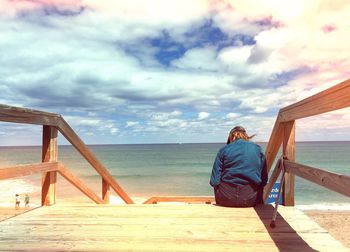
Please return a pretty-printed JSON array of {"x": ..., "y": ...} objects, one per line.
[{"x": 171, "y": 143}]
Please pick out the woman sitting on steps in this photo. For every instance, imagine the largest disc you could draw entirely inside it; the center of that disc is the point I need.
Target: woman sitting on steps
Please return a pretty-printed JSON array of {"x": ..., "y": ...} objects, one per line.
[{"x": 239, "y": 172}]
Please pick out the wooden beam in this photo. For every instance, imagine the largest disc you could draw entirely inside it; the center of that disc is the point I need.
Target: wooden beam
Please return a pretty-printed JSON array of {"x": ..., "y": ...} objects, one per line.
[
  {"x": 334, "y": 98},
  {"x": 74, "y": 139},
  {"x": 105, "y": 191},
  {"x": 274, "y": 176},
  {"x": 335, "y": 182},
  {"x": 274, "y": 144},
  {"x": 49, "y": 154},
  {"x": 74, "y": 180},
  {"x": 25, "y": 170},
  {"x": 187, "y": 199},
  {"x": 29, "y": 116},
  {"x": 289, "y": 153}
]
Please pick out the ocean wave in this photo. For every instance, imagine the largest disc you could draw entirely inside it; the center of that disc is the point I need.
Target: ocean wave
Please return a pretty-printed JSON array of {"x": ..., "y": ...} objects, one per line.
[
  {"x": 325, "y": 207},
  {"x": 134, "y": 176},
  {"x": 8, "y": 188},
  {"x": 142, "y": 176}
]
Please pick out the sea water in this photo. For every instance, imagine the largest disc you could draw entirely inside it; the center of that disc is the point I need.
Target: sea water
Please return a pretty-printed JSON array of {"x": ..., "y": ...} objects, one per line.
[{"x": 146, "y": 170}]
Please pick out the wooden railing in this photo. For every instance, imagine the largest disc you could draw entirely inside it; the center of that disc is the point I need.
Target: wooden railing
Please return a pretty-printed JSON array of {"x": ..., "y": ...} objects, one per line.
[
  {"x": 52, "y": 123},
  {"x": 283, "y": 133}
]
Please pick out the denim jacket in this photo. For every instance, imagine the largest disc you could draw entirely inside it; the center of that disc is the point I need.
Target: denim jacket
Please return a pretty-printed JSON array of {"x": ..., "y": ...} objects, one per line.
[{"x": 240, "y": 163}]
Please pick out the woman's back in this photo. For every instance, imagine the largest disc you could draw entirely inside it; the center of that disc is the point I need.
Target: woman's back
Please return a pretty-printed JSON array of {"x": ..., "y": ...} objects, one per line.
[
  {"x": 242, "y": 163},
  {"x": 239, "y": 171}
]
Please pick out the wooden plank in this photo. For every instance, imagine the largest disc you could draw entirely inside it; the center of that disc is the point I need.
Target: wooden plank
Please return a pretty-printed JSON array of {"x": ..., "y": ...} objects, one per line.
[
  {"x": 272, "y": 180},
  {"x": 30, "y": 116},
  {"x": 238, "y": 242},
  {"x": 49, "y": 154},
  {"x": 74, "y": 139},
  {"x": 105, "y": 191},
  {"x": 334, "y": 98},
  {"x": 187, "y": 199},
  {"x": 289, "y": 153},
  {"x": 129, "y": 227},
  {"x": 25, "y": 170},
  {"x": 74, "y": 180},
  {"x": 335, "y": 182}
]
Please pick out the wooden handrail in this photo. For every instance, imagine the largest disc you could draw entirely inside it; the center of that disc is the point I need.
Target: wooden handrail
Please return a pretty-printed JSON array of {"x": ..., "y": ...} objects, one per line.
[
  {"x": 74, "y": 180},
  {"x": 30, "y": 169},
  {"x": 29, "y": 116},
  {"x": 25, "y": 170},
  {"x": 333, "y": 181},
  {"x": 334, "y": 98},
  {"x": 74, "y": 139}
]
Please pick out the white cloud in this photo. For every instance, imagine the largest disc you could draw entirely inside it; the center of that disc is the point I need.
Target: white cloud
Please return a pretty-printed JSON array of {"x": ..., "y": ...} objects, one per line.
[
  {"x": 164, "y": 116},
  {"x": 131, "y": 124},
  {"x": 198, "y": 59},
  {"x": 232, "y": 115},
  {"x": 203, "y": 115},
  {"x": 99, "y": 62}
]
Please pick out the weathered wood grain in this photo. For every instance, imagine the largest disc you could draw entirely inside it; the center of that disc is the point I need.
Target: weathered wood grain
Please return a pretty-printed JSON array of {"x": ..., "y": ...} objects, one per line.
[
  {"x": 289, "y": 153},
  {"x": 175, "y": 227},
  {"x": 80, "y": 185},
  {"x": 334, "y": 98},
  {"x": 49, "y": 154},
  {"x": 25, "y": 170},
  {"x": 30, "y": 116},
  {"x": 335, "y": 182}
]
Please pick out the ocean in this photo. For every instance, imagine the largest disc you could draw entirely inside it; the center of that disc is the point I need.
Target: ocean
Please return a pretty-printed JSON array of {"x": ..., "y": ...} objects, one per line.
[{"x": 146, "y": 170}]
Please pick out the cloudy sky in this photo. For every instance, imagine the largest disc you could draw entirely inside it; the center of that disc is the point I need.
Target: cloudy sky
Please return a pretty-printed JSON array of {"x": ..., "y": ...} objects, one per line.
[{"x": 134, "y": 71}]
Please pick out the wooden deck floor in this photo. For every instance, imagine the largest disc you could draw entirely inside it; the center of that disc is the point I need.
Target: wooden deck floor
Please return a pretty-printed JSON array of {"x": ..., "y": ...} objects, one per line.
[{"x": 175, "y": 227}]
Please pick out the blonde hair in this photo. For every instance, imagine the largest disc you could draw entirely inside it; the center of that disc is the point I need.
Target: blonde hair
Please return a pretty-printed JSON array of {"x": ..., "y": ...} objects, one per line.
[{"x": 238, "y": 132}]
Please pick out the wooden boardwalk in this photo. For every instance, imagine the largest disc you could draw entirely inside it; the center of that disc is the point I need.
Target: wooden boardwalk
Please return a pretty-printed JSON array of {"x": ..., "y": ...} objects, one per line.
[{"x": 163, "y": 227}]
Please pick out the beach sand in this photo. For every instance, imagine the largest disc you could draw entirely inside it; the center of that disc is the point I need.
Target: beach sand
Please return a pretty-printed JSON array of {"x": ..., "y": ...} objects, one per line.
[
  {"x": 8, "y": 212},
  {"x": 337, "y": 223}
]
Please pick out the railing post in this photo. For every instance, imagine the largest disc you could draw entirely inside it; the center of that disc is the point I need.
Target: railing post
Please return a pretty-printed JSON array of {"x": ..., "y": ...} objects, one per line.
[
  {"x": 49, "y": 154},
  {"x": 105, "y": 191},
  {"x": 289, "y": 152}
]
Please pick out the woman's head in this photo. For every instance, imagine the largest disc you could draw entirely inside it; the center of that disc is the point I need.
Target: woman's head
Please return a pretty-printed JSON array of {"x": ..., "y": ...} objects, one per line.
[{"x": 238, "y": 132}]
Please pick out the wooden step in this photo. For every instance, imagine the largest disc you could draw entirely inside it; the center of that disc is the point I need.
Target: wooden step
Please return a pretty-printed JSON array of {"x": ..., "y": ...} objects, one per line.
[{"x": 162, "y": 227}]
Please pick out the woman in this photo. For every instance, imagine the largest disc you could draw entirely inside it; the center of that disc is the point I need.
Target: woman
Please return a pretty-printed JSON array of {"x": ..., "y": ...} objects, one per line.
[{"x": 239, "y": 171}]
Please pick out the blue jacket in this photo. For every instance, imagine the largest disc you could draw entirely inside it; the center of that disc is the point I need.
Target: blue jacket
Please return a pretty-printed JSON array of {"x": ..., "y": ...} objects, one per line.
[{"x": 240, "y": 162}]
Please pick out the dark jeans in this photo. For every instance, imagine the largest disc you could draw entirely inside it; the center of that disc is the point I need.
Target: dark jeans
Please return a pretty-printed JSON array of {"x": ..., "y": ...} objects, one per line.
[{"x": 237, "y": 195}]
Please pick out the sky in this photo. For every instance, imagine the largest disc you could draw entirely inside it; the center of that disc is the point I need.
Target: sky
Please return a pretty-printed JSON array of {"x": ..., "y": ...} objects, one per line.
[{"x": 159, "y": 71}]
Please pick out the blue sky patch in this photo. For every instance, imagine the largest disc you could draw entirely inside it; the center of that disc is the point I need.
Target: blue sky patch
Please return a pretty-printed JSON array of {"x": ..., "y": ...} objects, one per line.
[
  {"x": 210, "y": 35},
  {"x": 203, "y": 36},
  {"x": 169, "y": 49}
]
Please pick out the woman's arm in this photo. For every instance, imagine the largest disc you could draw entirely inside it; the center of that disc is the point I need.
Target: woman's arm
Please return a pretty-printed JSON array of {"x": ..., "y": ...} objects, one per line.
[{"x": 264, "y": 175}]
